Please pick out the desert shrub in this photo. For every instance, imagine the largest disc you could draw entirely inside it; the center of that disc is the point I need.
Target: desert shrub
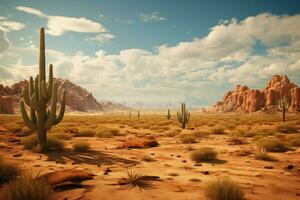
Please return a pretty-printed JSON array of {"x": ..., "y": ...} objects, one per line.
[
  {"x": 224, "y": 189},
  {"x": 262, "y": 154},
  {"x": 200, "y": 133},
  {"x": 52, "y": 144},
  {"x": 86, "y": 132},
  {"x": 81, "y": 146},
  {"x": 272, "y": 144},
  {"x": 287, "y": 128},
  {"x": 294, "y": 140},
  {"x": 235, "y": 138},
  {"x": 218, "y": 129},
  {"x": 204, "y": 154},
  {"x": 8, "y": 171},
  {"x": 134, "y": 179},
  {"x": 30, "y": 142},
  {"x": 281, "y": 136},
  {"x": 187, "y": 138},
  {"x": 27, "y": 187},
  {"x": 107, "y": 132},
  {"x": 173, "y": 132}
]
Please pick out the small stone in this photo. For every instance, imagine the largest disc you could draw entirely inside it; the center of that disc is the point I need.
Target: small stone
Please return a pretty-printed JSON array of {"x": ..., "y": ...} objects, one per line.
[
  {"x": 269, "y": 167},
  {"x": 298, "y": 194},
  {"x": 178, "y": 156},
  {"x": 73, "y": 163},
  {"x": 184, "y": 161},
  {"x": 205, "y": 172},
  {"x": 198, "y": 164},
  {"x": 17, "y": 155},
  {"x": 290, "y": 167},
  {"x": 248, "y": 161},
  {"x": 257, "y": 174},
  {"x": 36, "y": 165},
  {"x": 106, "y": 171},
  {"x": 152, "y": 154}
]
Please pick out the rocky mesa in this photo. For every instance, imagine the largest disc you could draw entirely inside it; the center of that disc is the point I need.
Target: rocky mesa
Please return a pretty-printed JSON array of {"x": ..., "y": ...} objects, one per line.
[
  {"x": 251, "y": 100},
  {"x": 78, "y": 98}
]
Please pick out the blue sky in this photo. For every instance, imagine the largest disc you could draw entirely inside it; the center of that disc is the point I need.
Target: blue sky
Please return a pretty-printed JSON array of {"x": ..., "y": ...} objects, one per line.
[{"x": 153, "y": 51}]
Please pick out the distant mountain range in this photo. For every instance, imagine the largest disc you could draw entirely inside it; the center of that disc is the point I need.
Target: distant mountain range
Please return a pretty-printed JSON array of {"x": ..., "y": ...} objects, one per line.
[{"x": 78, "y": 98}]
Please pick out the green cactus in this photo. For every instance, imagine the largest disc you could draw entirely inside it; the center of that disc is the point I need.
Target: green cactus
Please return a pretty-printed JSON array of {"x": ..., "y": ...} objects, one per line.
[
  {"x": 138, "y": 114},
  {"x": 283, "y": 106},
  {"x": 168, "y": 115},
  {"x": 184, "y": 116},
  {"x": 37, "y": 96}
]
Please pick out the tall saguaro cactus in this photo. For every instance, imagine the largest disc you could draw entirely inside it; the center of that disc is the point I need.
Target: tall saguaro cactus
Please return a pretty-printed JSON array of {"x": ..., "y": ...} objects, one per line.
[
  {"x": 183, "y": 116},
  {"x": 38, "y": 96},
  {"x": 168, "y": 115},
  {"x": 283, "y": 106}
]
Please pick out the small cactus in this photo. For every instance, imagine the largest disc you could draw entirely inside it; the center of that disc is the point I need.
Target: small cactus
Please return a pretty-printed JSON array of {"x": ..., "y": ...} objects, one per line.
[
  {"x": 38, "y": 95},
  {"x": 183, "y": 116},
  {"x": 168, "y": 115},
  {"x": 283, "y": 106},
  {"x": 138, "y": 114}
]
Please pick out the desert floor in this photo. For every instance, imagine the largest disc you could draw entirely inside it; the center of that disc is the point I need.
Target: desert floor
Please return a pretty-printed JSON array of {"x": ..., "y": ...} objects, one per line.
[{"x": 179, "y": 176}]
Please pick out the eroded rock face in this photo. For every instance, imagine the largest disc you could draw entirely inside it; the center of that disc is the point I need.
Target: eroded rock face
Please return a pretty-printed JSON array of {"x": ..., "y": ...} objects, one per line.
[
  {"x": 6, "y": 105},
  {"x": 78, "y": 98},
  {"x": 247, "y": 100}
]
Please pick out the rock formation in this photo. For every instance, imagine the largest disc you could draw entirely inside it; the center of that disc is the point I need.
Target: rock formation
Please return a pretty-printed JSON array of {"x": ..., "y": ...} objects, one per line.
[
  {"x": 249, "y": 100},
  {"x": 78, "y": 98}
]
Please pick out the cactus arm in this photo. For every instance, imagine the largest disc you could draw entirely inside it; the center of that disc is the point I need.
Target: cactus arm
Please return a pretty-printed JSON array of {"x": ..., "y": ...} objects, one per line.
[
  {"x": 50, "y": 81},
  {"x": 42, "y": 58},
  {"x": 25, "y": 94},
  {"x": 62, "y": 108},
  {"x": 44, "y": 91},
  {"x": 36, "y": 87},
  {"x": 31, "y": 88},
  {"x": 52, "y": 114},
  {"x": 33, "y": 102},
  {"x": 25, "y": 117},
  {"x": 32, "y": 116}
]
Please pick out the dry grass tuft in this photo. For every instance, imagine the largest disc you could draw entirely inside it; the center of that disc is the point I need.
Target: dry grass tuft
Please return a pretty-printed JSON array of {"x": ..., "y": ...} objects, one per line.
[
  {"x": 224, "y": 189},
  {"x": 204, "y": 154}
]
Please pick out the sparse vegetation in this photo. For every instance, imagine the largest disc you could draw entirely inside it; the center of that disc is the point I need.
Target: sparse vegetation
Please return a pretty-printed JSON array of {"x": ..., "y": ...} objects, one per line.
[
  {"x": 8, "y": 171},
  {"x": 224, "y": 189},
  {"x": 204, "y": 154},
  {"x": 218, "y": 129},
  {"x": 53, "y": 143},
  {"x": 187, "y": 138},
  {"x": 134, "y": 179},
  {"x": 272, "y": 144},
  {"x": 27, "y": 187},
  {"x": 107, "y": 132},
  {"x": 262, "y": 154},
  {"x": 84, "y": 132},
  {"x": 81, "y": 146},
  {"x": 287, "y": 128}
]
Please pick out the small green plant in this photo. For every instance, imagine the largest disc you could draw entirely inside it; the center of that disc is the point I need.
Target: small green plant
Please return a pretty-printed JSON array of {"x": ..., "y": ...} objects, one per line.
[
  {"x": 262, "y": 154},
  {"x": 27, "y": 187},
  {"x": 81, "y": 146},
  {"x": 218, "y": 129},
  {"x": 84, "y": 132},
  {"x": 224, "y": 189},
  {"x": 287, "y": 128},
  {"x": 168, "y": 115},
  {"x": 204, "y": 154},
  {"x": 134, "y": 179},
  {"x": 272, "y": 144},
  {"x": 8, "y": 171},
  {"x": 183, "y": 116}
]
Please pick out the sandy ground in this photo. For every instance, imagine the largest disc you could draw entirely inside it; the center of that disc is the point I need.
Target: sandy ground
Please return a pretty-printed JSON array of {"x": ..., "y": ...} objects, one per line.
[{"x": 172, "y": 163}]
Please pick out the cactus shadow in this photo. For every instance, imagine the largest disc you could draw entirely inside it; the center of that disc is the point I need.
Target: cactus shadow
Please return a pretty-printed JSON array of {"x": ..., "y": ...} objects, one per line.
[{"x": 89, "y": 157}]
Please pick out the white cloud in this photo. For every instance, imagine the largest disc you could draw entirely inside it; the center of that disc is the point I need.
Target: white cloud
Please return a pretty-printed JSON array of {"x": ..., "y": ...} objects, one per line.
[
  {"x": 154, "y": 16},
  {"x": 58, "y": 25},
  {"x": 102, "y": 38},
  {"x": 31, "y": 11},
  {"x": 7, "y": 25},
  {"x": 203, "y": 67}
]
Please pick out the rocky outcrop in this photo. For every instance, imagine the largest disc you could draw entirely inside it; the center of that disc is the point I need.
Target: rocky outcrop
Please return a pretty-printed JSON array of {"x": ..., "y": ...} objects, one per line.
[
  {"x": 249, "y": 100},
  {"x": 78, "y": 98},
  {"x": 6, "y": 105}
]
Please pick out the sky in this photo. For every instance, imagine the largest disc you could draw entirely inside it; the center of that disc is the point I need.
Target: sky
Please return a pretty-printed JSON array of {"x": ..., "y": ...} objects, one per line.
[{"x": 156, "y": 52}]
